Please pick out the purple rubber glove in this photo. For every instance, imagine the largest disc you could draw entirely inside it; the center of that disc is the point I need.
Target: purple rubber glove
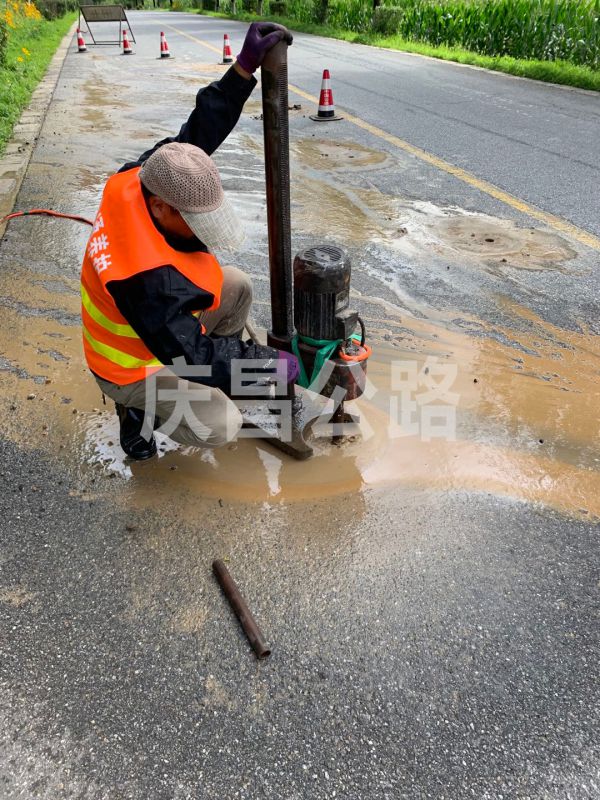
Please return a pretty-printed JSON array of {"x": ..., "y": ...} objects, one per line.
[
  {"x": 270, "y": 356},
  {"x": 291, "y": 362},
  {"x": 261, "y": 37}
]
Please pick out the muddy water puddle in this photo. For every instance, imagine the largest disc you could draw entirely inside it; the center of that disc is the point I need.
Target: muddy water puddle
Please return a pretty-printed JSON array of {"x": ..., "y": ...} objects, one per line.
[
  {"x": 248, "y": 470},
  {"x": 254, "y": 109},
  {"x": 526, "y": 407},
  {"x": 526, "y": 396},
  {"x": 528, "y": 423},
  {"x": 348, "y": 215},
  {"x": 89, "y": 179}
]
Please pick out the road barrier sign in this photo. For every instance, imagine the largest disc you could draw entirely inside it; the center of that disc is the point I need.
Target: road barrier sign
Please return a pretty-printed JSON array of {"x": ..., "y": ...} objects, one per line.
[{"x": 102, "y": 14}]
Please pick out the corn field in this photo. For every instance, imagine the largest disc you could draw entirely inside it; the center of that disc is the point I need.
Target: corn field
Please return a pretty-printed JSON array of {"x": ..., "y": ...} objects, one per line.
[{"x": 547, "y": 30}]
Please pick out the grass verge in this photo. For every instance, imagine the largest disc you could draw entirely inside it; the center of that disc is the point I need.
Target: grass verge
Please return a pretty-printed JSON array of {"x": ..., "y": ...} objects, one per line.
[
  {"x": 30, "y": 50},
  {"x": 560, "y": 72}
]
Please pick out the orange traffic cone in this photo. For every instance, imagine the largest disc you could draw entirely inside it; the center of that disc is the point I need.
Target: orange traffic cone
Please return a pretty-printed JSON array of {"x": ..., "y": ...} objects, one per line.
[
  {"x": 164, "y": 47},
  {"x": 127, "y": 51},
  {"x": 326, "y": 111},
  {"x": 227, "y": 57},
  {"x": 81, "y": 48}
]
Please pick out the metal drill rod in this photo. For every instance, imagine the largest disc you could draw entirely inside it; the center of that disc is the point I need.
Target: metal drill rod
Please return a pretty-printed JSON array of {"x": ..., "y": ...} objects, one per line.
[
  {"x": 243, "y": 613},
  {"x": 274, "y": 80},
  {"x": 337, "y": 419}
]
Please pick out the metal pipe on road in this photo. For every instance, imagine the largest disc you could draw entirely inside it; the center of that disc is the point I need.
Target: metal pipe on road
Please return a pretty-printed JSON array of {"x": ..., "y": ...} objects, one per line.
[{"x": 243, "y": 613}]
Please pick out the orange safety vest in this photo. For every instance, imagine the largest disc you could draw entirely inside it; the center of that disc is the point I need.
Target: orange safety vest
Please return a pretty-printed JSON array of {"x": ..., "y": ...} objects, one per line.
[{"x": 125, "y": 242}]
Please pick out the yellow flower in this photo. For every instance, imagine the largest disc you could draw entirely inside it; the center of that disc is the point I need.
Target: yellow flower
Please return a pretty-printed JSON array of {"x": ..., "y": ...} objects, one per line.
[
  {"x": 25, "y": 51},
  {"x": 19, "y": 58},
  {"x": 10, "y": 20},
  {"x": 31, "y": 11}
]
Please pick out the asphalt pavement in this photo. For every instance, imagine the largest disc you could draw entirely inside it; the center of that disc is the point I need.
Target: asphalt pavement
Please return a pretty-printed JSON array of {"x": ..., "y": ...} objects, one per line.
[
  {"x": 432, "y": 605},
  {"x": 537, "y": 141}
]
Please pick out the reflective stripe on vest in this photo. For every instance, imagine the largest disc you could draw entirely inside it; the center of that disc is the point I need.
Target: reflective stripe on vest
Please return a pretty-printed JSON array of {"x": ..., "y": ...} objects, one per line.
[
  {"x": 118, "y": 356},
  {"x": 117, "y": 328},
  {"x": 114, "y": 327},
  {"x": 125, "y": 242}
]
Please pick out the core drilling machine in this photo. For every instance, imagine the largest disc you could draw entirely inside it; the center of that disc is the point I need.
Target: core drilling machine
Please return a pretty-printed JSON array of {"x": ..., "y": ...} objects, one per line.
[{"x": 310, "y": 304}]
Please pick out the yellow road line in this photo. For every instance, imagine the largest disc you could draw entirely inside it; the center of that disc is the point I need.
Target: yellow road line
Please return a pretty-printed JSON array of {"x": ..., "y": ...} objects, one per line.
[
  {"x": 194, "y": 39},
  {"x": 559, "y": 224}
]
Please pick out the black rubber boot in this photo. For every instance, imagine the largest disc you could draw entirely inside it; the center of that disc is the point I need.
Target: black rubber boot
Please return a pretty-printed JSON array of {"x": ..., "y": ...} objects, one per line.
[{"x": 132, "y": 441}]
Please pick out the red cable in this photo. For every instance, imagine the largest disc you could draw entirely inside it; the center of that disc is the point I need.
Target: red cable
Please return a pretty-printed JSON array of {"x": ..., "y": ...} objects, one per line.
[{"x": 45, "y": 212}]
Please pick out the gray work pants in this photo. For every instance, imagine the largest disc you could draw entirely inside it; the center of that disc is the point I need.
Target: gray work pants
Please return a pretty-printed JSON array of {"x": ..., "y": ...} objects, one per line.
[{"x": 199, "y": 416}]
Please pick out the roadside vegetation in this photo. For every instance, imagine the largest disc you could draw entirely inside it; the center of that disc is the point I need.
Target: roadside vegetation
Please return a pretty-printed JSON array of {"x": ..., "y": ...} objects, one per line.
[
  {"x": 29, "y": 36},
  {"x": 550, "y": 40}
]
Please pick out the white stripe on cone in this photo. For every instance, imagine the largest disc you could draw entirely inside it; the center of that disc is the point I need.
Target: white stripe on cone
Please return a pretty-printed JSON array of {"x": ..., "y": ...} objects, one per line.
[
  {"x": 164, "y": 47},
  {"x": 326, "y": 106}
]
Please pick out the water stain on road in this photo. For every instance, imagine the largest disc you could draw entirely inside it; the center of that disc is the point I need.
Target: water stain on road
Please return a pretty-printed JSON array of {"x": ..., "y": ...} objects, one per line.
[
  {"x": 414, "y": 228},
  {"x": 495, "y": 240},
  {"x": 325, "y": 154},
  {"x": 254, "y": 108},
  {"x": 16, "y": 596},
  {"x": 89, "y": 179},
  {"x": 348, "y": 215},
  {"x": 98, "y": 93},
  {"x": 203, "y": 68},
  {"x": 99, "y": 101}
]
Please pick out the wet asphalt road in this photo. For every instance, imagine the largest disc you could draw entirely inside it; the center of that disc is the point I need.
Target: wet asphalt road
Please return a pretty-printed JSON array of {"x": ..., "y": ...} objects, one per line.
[
  {"x": 442, "y": 647},
  {"x": 426, "y": 643},
  {"x": 533, "y": 140}
]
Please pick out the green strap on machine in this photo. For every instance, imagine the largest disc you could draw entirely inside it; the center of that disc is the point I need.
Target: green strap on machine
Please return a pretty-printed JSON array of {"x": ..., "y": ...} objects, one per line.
[{"x": 326, "y": 348}]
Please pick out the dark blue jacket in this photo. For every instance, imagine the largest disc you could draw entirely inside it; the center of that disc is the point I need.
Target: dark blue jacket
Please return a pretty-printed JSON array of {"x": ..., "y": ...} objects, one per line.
[{"x": 158, "y": 303}]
